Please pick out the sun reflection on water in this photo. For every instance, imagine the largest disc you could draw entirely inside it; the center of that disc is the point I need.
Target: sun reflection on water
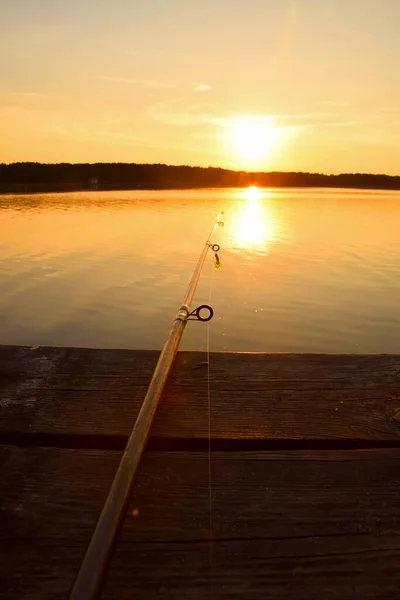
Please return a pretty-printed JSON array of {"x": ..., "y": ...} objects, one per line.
[{"x": 254, "y": 226}]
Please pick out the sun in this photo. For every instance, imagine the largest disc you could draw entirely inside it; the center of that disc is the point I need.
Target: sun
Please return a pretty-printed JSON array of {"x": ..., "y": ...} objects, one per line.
[{"x": 253, "y": 138}]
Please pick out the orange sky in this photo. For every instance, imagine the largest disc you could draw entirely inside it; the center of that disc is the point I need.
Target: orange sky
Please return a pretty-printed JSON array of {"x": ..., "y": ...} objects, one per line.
[{"x": 250, "y": 84}]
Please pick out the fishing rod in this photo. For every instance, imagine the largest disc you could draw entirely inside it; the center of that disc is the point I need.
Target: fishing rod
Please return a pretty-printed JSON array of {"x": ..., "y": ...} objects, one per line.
[{"x": 91, "y": 575}]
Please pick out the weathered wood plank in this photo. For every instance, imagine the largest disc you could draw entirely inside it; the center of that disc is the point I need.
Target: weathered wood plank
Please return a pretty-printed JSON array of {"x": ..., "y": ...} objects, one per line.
[
  {"x": 283, "y": 522},
  {"x": 48, "y": 491},
  {"x": 283, "y": 396},
  {"x": 251, "y": 569}
]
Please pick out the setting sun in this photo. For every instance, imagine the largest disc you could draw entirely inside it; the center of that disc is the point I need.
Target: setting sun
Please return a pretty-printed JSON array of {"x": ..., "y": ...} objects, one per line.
[{"x": 253, "y": 138}]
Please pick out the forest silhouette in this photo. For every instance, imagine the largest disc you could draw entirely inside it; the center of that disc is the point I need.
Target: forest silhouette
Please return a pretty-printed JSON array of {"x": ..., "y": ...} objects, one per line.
[{"x": 33, "y": 177}]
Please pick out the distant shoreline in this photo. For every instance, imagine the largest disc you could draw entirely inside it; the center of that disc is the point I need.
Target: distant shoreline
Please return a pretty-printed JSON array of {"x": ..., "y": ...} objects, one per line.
[
  {"x": 31, "y": 178},
  {"x": 35, "y": 191}
]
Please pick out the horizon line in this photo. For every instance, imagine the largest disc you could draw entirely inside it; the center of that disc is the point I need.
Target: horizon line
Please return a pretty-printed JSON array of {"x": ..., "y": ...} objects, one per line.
[{"x": 30, "y": 162}]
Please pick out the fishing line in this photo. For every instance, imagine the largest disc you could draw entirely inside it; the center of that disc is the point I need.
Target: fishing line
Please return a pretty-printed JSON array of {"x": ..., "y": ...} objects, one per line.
[{"x": 210, "y": 513}]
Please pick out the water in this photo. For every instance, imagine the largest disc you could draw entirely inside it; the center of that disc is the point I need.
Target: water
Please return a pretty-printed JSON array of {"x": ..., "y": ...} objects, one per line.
[{"x": 302, "y": 270}]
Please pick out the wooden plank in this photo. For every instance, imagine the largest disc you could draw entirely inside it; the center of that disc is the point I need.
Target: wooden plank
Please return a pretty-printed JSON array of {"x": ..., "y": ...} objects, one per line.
[
  {"x": 48, "y": 491},
  {"x": 254, "y": 569},
  {"x": 282, "y": 521},
  {"x": 283, "y": 396},
  {"x": 251, "y": 569}
]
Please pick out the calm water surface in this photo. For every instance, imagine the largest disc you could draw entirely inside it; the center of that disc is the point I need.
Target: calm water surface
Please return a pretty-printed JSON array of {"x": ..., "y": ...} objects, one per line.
[{"x": 302, "y": 270}]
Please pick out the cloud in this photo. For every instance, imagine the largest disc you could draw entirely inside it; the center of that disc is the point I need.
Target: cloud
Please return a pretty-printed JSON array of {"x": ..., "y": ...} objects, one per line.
[
  {"x": 121, "y": 138},
  {"x": 310, "y": 117},
  {"x": 146, "y": 83},
  {"x": 34, "y": 95},
  {"x": 210, "y": 121},
  {"x": 184, "y": 116},
  {"x": 314, "y": 120},
  {"x": 336, "y": 103},
  {"x": 201, "y": 87},
  {"x": 32, "y": 100},
  {"x": 388, "y": 110}
]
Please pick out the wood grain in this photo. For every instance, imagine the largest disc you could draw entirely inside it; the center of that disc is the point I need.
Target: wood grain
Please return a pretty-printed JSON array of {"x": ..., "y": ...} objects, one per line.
[
  {"x": 47, "y": 491},
  {"x": 323, "y": 523},
  {"x": 83, "y": 392},
  {"x": 250, "y": 569},
  {"x": 285, "y": 524}
]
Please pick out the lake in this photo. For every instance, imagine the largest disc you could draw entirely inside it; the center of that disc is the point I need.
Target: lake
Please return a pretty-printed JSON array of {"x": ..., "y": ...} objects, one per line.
[{"x": 302, "y": 270}]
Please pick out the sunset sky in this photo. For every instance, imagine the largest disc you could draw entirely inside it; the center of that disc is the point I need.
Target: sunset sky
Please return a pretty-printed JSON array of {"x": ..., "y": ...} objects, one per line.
[{"x": 306, "y": 85}]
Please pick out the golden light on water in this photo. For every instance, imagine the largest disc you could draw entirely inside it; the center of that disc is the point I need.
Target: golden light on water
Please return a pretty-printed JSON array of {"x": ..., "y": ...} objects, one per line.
[
  {"x": 253, "y": 194},
  {"x": 254, "y": 226}
]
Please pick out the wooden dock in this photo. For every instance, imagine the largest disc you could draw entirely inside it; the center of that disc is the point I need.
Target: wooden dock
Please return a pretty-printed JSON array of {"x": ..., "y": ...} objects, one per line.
[{"x": 305, "y": 474}]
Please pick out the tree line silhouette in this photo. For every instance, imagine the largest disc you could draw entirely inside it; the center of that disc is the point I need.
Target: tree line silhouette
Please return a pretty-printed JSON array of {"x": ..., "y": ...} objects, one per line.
[{"x": 38, "y": 177}]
